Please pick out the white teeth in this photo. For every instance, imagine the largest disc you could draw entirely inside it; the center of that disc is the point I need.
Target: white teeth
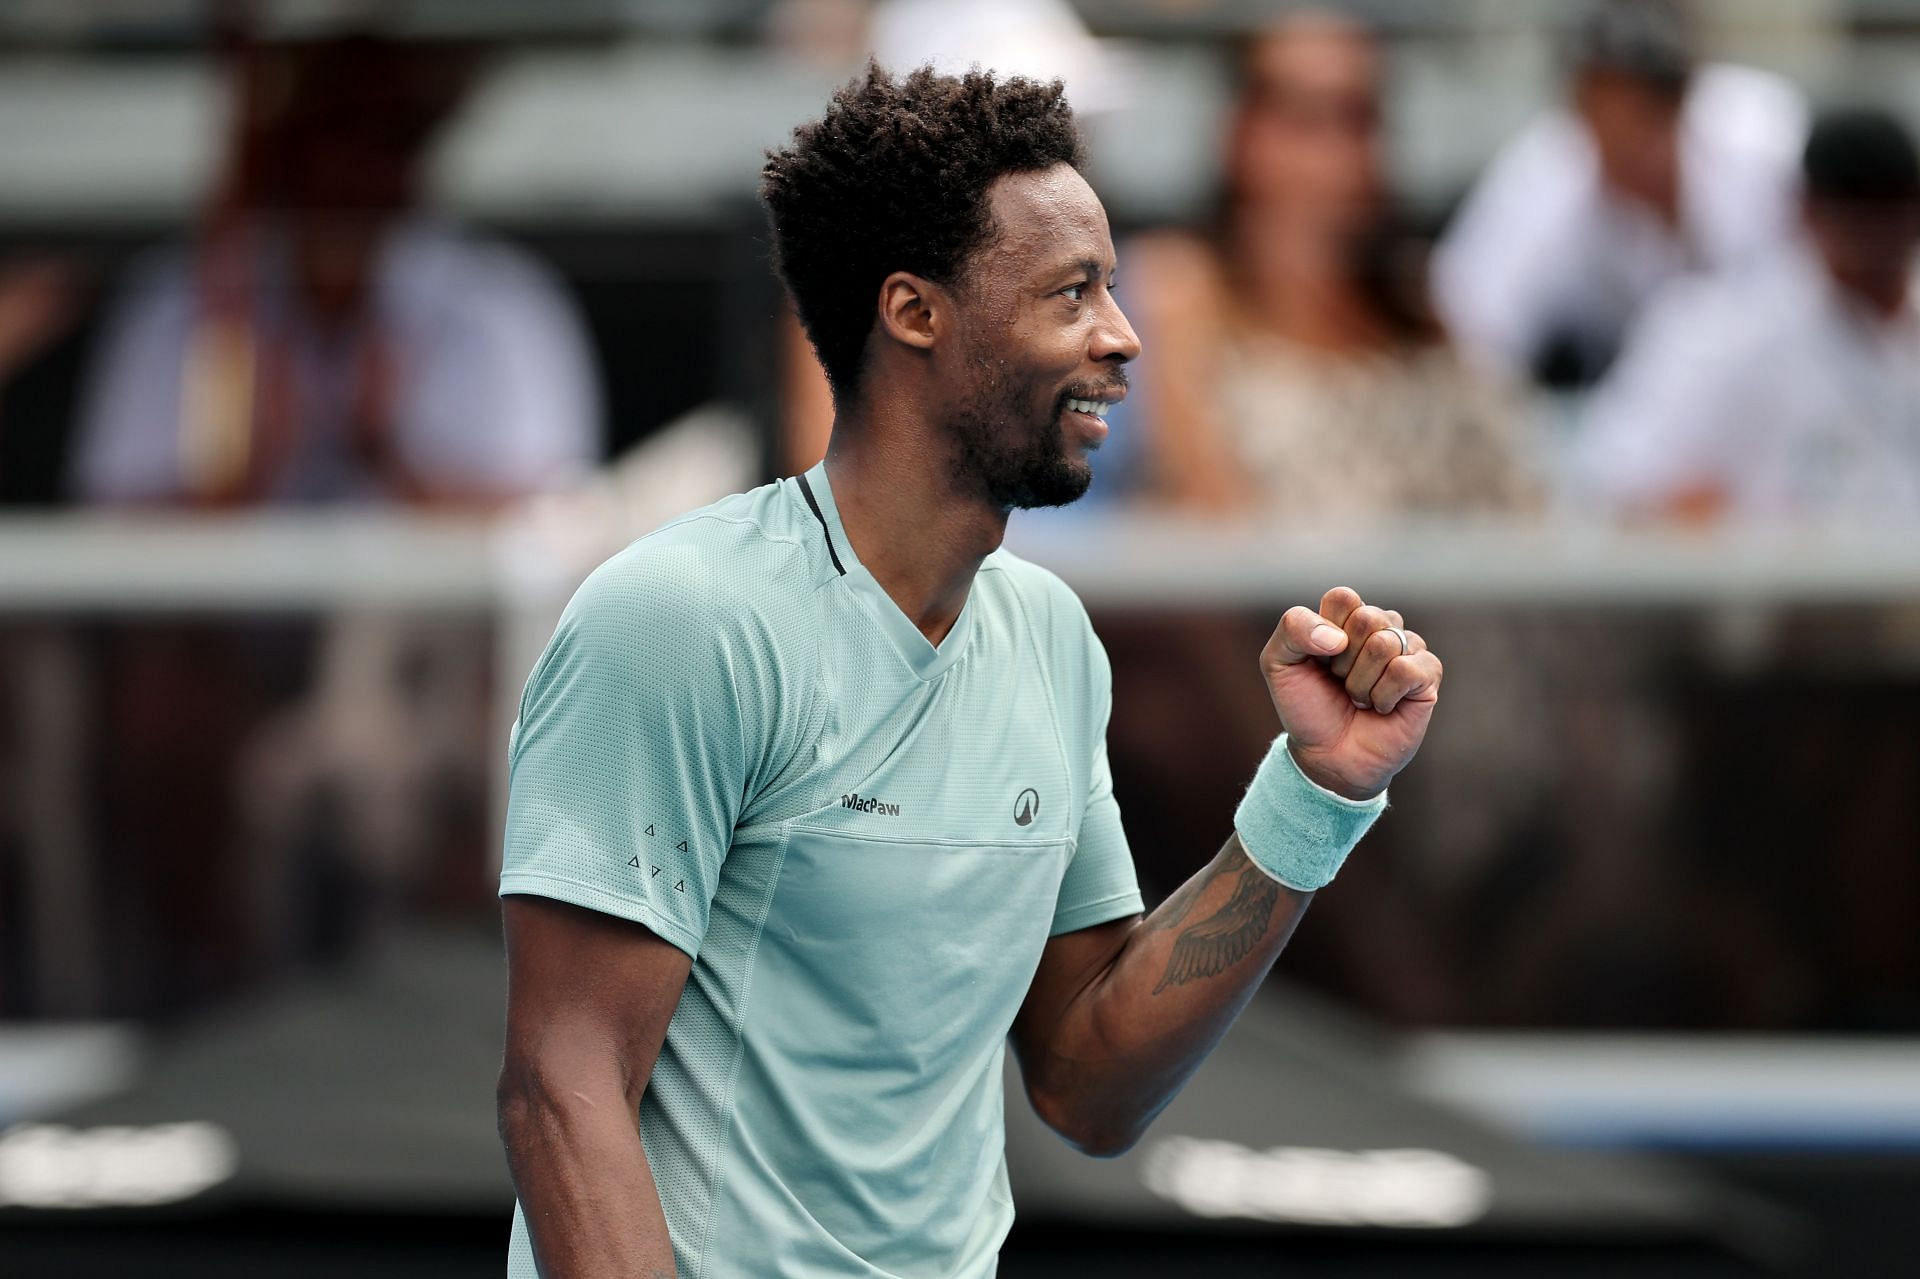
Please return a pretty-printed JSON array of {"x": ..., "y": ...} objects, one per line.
[{"x": 1097, "y": 408}]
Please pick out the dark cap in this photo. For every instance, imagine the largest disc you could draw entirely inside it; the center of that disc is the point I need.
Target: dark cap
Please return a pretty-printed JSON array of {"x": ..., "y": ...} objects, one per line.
[
  {"x": 1650, "y": 40},
  {"x": 1861, "y": 155}
]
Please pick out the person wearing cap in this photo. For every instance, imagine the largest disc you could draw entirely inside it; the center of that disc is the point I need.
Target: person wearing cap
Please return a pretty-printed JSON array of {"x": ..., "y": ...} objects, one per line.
[
  {"x": 1794, "y": 394},
  {"x": 1656, "y": 167}
]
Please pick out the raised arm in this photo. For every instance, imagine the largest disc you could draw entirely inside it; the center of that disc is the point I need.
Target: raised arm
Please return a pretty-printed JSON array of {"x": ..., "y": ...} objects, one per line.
[
  {"x": 1120, "y": 1016},
  {"x": 588, "y": 1001}
]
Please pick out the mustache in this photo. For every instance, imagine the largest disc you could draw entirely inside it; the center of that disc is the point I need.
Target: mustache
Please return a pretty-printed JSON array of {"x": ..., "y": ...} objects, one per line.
[{"x": 1116, "y": 384}]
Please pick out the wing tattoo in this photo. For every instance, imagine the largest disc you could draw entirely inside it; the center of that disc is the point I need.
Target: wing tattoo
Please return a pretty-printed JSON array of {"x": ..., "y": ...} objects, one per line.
[{"x": 1225, "y": 937}]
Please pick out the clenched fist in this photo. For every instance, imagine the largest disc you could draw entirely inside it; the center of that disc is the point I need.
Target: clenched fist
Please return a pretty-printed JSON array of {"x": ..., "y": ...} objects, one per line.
[{"x": 1355, "y": 690}]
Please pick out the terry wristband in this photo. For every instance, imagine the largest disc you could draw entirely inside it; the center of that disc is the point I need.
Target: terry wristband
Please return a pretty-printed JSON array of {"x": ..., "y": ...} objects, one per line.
[{"x": 1296, "y": 830}]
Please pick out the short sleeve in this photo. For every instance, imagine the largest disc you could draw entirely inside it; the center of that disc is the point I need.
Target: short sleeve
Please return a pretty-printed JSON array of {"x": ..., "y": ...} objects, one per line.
[
  {"x": 630, "y": 759},
  {"x": 1100, "y": 884}
]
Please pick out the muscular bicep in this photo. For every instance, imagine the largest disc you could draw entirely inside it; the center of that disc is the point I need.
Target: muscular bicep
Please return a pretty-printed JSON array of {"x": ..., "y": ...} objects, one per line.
[
  {"x": 589, "y": 996},
  {"x": 1069, "y": 965}
]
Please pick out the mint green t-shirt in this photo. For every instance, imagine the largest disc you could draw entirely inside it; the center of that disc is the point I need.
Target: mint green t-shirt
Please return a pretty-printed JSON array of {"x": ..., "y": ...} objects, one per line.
[{"x": 738, "y": 740}]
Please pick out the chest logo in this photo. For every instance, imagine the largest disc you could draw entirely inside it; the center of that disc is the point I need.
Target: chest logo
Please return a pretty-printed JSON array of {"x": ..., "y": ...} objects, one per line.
[
  {"x": 1027, "y": 807},
  {"x": 868, "y": 804}
]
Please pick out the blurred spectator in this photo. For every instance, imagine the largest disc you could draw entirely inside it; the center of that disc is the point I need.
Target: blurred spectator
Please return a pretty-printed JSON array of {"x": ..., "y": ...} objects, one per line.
[
  {"x": 1292, "y": 363},
  {"x": 1659, "y": 168},
  {"x": 273, "y": 793},
  {"x": 36, "y": 306},
  {"x": 1292, "y": 367},
  {"x": 324, "y": 341},
  {"x": 1796, "y": 392}
]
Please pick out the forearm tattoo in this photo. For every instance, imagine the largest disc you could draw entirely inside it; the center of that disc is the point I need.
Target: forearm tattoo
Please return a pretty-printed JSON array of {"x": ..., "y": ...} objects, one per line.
[{"x": 1223, "y": 938}]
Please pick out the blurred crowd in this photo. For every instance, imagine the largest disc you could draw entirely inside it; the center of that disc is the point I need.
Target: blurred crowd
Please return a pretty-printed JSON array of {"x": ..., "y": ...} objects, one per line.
[{"x": 1681, "y": 293}]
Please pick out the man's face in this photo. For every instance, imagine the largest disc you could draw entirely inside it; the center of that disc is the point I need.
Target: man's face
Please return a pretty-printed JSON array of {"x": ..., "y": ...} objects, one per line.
[
  {"x": 1867, "y": 247},
  {"x": 1635, "y": 128},
  {"x": 1041, "y": 344}
]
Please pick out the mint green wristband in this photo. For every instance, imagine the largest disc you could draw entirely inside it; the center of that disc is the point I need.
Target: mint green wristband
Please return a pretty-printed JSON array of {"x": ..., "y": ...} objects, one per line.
[{"x": 1296, "y": 830}]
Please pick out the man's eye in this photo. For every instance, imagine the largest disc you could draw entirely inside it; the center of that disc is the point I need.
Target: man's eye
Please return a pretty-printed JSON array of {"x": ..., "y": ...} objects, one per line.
[{"x": 1075, "y": 291}]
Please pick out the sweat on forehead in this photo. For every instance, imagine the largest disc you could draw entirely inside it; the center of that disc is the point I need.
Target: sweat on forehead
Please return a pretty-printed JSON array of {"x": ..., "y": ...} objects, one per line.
[{"x": 1047, "y": 221}]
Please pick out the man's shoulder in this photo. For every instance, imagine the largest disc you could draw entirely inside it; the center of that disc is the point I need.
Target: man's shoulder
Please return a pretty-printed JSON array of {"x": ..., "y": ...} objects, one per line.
[
  {"x": 1052, "y": 606},
  {"x": 719, "y": 568},
  {"x": 1069, "y": 654},
  {"x": 1032, "y": 581}
]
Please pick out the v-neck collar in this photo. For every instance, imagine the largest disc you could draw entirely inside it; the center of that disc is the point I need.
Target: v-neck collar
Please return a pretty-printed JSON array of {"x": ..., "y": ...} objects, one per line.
[{"x": 923, "y": 658}]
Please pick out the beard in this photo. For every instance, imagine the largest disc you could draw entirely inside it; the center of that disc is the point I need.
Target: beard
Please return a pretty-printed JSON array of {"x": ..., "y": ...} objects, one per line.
[{"x": 1005, "y": 451}]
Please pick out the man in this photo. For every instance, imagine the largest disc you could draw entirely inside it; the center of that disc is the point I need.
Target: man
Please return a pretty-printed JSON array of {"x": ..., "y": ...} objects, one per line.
[
  {"x": 327, "y": 341},
  {"x": 1792, "y": 395},
  {"x": 1661, "y": 167},
  {"x": 824, "y": 766}
]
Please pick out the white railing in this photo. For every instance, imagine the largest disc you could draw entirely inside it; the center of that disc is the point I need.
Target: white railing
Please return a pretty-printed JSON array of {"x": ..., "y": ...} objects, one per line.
[
  {"x": 332, "y": 561},
  {"x": 520, "y": 569}
]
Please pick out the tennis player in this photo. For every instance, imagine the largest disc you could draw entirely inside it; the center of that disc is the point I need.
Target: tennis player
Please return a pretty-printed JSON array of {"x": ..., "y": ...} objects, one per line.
[{"x": 811, "y": 811}]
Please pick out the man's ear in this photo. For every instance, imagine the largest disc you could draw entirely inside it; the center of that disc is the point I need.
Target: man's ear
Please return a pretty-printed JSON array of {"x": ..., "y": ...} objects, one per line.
[{"x": 914, "y": 310}]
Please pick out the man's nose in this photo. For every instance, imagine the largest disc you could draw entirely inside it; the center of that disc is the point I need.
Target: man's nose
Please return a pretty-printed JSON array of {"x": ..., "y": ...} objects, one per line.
[{"x": 1115, "y": 339}]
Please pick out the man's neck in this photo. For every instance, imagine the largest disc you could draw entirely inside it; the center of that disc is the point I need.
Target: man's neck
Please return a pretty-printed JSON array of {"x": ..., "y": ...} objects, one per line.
[{"x": 922, "y": 540}]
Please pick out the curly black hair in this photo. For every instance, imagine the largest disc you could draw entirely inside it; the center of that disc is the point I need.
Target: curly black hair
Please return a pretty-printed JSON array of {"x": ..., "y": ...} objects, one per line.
[{"x": 894, "y": 178}]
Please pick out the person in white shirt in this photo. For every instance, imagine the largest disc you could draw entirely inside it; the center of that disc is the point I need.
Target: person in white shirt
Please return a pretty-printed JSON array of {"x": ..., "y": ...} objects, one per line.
[
  {"x": 1794, "y": 393},
  {"x": 1657, "y": 168},
  {"x": 323, "y": 341}
]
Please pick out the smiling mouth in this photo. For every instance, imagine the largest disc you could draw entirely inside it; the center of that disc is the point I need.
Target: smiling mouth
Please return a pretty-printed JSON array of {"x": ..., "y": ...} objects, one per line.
[{"x": 1093, "y": 408}]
